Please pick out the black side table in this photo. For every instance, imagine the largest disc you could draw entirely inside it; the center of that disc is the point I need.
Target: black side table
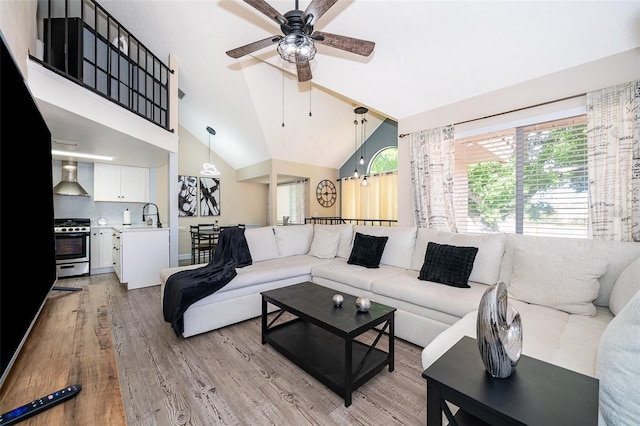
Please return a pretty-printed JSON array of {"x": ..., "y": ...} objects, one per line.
[{"x": 537, "y": 393}]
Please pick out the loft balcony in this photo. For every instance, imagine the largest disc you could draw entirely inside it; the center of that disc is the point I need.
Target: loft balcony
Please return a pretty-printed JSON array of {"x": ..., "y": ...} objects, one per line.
[{"x": 81, "y": 41}]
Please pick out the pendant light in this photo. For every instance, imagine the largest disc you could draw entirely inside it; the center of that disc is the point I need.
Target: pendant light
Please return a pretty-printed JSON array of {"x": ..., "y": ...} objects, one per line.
[
  {"x": 361, "y": 111},
  {"x": 355, "y": 145},
  {"x": 209, "y": 169}
]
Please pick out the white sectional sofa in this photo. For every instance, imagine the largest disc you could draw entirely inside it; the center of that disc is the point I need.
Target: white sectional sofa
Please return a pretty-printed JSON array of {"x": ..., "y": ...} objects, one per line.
[{"x": 569, "y": 290}]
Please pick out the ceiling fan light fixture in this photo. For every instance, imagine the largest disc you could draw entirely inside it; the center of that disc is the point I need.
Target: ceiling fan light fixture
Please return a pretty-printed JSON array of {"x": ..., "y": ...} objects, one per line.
[{"x": 296, "y": 48}]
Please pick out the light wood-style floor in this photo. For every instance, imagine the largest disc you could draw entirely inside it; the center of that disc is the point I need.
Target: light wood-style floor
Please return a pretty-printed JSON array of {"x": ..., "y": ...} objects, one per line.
[{"x": 227, "y": 377}]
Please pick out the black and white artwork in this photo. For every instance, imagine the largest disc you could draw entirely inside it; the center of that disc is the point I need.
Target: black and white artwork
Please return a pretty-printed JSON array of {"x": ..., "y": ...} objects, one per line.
[
  {"x": 187, "y": 195},
  {"x": 209, "y": 196}
]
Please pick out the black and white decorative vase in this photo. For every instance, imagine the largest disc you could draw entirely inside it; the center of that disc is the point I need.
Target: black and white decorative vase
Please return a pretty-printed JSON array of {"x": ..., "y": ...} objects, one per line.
[{"x": 499, "y": 332}]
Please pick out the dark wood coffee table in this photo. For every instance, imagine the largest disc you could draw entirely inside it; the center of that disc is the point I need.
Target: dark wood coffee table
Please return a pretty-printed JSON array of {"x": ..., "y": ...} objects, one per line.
[
  {"x": 321, "y": 338},
  {"x": 537, "y": 393}
]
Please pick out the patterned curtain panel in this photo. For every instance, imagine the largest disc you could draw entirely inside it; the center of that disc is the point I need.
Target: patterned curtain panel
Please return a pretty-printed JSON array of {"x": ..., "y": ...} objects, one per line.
[
  {"x": 300, "y": 191},
  {"x": 432, "y": 178},
  {"x": 613, "y": 141}
]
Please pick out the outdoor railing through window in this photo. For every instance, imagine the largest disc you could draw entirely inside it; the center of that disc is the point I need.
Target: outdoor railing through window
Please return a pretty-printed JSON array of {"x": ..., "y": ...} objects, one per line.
[{"x": 83, "y": 42}]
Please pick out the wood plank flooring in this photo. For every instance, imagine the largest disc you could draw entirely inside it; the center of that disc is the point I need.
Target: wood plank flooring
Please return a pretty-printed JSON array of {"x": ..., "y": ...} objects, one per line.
[
  {"x": 227, "y": 377},
  {"x": 70, "y": 343}
]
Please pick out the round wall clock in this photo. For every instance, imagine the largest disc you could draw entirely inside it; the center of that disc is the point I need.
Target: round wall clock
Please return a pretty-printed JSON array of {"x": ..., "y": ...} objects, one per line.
[{"x": 326, "y": 193}]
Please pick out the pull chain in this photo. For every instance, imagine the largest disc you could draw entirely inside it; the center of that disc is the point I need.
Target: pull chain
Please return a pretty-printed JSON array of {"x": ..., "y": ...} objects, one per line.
[
  {"x": 310, "y": 98},
  {"x": 283, "y": 96}
]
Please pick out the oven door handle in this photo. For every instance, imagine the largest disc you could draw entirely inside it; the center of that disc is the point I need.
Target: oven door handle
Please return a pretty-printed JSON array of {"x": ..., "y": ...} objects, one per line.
[{"x": 71, "y": 234}]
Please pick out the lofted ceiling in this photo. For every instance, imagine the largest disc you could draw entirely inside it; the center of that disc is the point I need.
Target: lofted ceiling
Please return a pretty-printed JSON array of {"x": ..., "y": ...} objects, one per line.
[{"x": 428, "y": 54}]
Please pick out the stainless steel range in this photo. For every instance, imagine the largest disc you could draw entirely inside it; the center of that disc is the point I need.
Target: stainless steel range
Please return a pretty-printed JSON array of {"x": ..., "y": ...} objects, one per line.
[{"x": 73, "y": 246}]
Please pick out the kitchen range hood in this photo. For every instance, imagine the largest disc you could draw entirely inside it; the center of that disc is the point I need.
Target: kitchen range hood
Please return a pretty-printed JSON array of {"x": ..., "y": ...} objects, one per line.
[{"x": 69, "y": 184}]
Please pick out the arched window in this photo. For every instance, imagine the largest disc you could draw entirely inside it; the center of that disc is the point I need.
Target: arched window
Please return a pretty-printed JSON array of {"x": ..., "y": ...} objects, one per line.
[{"x": 385, "y": 160}]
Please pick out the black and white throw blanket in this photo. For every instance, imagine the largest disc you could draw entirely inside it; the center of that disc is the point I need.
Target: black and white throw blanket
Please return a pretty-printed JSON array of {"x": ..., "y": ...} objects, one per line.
[{"x": 187, "y": 287}]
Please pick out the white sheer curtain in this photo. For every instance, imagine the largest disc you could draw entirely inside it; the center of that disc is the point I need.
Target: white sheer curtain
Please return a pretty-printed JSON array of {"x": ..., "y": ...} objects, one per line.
[
  {"x": 613, "y": 143},
  {"x": 432, "y": 178},
  {"x": 376, "y": 200}
]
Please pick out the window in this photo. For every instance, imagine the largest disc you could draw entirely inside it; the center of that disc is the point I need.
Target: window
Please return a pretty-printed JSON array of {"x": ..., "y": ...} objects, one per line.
[
  {"x": 291, "y": 201},
  {"x": 385, "y": 160},
  {"x": 527, "y": 180}
]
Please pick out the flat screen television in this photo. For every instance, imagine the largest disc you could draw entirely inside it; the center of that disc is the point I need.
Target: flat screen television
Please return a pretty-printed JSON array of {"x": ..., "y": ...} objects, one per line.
[{"x": 27, "y": 244}]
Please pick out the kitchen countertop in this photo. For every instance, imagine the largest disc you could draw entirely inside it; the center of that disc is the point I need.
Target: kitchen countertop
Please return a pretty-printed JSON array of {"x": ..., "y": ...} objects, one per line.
[{"x": 132, "y": 228}]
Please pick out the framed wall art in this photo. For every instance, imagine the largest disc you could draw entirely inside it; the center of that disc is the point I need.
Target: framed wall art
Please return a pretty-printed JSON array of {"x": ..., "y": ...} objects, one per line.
[
  {"x": 187, "y": 195},
  {"x": 209, "y": 196}
]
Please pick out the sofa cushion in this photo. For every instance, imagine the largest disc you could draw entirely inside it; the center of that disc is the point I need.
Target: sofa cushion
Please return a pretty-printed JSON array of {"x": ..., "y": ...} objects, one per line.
[
  {"x": 346, "y": 237},
  {"x": 262, "y": 243},
  {"x": 447, "y": 264},
  {"x": 567, "y": 283},
  {"x": 550, "y": 335},
  {"x": 405, "y": 286},
  {"x": 627, "y": 284},
  {"x": 491, "y": 248},
  {"x": 293, "y": 240},
  {"x": 618, "y": 368},
  {"x": 325, "y": 243},
  {"x": 367, "y": 250},
  {"x": 355, "y": 276},
  {"x": 400, "y": 245}
]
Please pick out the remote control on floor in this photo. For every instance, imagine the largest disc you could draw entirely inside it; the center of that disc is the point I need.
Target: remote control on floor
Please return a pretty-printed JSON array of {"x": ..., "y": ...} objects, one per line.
[{"x": 36, "y": 406}]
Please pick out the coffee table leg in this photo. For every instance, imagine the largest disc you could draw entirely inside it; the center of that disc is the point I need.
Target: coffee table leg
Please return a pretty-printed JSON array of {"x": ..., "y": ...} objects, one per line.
[
  {"x": 264, "y": 319},
  {"x": 348, "y": 371},
  {"x": 434, "y": 414},
  {"x": 391, "y": 344}
]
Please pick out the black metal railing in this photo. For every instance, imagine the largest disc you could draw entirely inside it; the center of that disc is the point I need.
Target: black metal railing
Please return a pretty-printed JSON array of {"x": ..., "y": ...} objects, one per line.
[
  {"x": 341, "y": 220},
  {"x": 84, "y": 43}
]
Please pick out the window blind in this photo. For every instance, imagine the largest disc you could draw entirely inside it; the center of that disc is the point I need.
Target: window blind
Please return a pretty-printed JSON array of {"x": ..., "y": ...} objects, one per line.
[{"x": 530, "y": 180}]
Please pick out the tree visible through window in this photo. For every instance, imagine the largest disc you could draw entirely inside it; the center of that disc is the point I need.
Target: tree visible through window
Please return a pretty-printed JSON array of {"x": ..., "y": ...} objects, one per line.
[
  {"x": 385, "y": 160},
  {"x": 530, "y": 180}
]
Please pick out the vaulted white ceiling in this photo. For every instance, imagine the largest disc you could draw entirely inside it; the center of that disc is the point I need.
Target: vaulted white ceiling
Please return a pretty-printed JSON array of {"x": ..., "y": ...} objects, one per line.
[{"x": 428, "y": 54}]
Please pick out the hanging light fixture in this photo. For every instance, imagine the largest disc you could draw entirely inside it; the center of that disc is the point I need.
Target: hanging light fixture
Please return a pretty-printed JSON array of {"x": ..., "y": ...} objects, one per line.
[
  {"x": 355, "y": 145},
  {"x": 297, "y": 47},
  {"x": 361, "y": 111},
  {"x": 209, "y": 169}
]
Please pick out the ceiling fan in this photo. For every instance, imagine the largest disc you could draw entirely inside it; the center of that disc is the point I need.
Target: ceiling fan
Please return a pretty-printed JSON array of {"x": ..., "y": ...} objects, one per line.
[{"x": 297, "y": 46}]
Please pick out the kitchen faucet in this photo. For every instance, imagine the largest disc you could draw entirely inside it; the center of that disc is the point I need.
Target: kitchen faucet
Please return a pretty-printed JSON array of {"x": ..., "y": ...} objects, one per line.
[{"x": 156, "y": 214}]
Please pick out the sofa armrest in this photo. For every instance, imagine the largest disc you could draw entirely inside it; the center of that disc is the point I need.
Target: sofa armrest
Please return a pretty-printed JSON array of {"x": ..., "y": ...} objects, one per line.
[{"x": 466, "y": 326}]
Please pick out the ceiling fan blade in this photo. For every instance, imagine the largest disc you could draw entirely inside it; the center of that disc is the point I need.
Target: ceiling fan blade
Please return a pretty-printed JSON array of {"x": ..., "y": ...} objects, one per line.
[
  {"x": 349, "y": 44},
  {"x": 268, "y": 10},
  {"x": 317, "y": 8},
  {"x": 304, "y": 71},
  {"x": 252, "y": 47}
]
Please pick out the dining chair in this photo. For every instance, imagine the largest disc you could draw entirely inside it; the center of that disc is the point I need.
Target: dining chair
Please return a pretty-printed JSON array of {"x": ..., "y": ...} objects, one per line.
[{"x": 203, "y": 242}]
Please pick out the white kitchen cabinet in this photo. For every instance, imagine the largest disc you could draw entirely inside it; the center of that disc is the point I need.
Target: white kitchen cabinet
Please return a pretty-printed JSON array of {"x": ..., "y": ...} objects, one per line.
[
  {"x": 101, "y": 250},
  {"x": 120, "y": 183},
  {"x": 117, "y": 253},
  {"x": 140, "y": 254}
]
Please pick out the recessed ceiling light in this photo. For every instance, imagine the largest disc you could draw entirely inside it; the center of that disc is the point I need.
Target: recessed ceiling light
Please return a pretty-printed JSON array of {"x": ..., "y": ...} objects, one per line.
[
  {"x": 66, "y": 143},
  {"x": 81, "y": 155}
]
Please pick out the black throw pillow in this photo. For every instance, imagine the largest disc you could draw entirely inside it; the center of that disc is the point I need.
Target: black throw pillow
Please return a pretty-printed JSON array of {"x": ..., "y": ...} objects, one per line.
[
  {"x": 367, "y": 250},
  {"x": 447, "y": 264}
]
